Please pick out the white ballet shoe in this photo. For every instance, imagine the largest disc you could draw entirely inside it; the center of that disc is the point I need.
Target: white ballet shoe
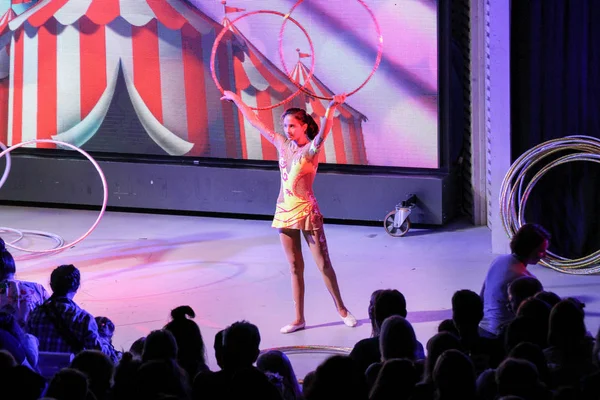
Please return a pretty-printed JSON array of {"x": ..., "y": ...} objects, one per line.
[
  {"x": 290, "y": 328},
  {"x": 349, "y": 320}
]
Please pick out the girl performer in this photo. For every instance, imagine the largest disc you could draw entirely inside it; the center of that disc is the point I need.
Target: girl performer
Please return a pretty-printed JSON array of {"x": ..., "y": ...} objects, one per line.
[{"x": 297, "y": 211}]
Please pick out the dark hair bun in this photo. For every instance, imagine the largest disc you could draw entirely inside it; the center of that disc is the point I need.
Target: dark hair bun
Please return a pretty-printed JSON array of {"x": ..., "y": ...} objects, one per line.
[
  {"x": 2, "y": 245},
  {"x": 182, "y": 312}
]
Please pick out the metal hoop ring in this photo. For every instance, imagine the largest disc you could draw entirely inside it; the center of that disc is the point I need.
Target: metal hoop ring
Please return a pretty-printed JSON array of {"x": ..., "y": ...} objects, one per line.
[
  {"x": 513, "y": 198},
  {"x": 104, "y": 187},
  {"x": 8, "y": 163},
  {"x": 18, "y": 232},
  {"x": 24, "y": 232},
  {"x": 311, "y": 349},
  {"x": 225, "y": 29},
  {"x": 303, "y": 88}
]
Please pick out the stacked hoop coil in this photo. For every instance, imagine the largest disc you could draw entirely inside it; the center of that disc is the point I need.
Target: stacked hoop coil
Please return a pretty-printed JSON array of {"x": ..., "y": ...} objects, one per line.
[{"x": 515, "y": 191}]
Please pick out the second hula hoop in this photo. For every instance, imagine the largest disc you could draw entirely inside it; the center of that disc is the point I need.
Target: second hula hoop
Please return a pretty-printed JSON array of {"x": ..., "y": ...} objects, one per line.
[{"x": 303, "y": 87}]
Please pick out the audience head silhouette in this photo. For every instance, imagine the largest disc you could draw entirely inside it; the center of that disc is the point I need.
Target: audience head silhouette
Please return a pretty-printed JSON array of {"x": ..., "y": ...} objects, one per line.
[
  {"x": 190, "y": 344},
  {"x": 530, "y": 242},
  {"x": 65, "y": 280},
  {"x": 389, "y": 302},
  {"x": 7, "y": 262},
  {"x": 241, "y": 342}
]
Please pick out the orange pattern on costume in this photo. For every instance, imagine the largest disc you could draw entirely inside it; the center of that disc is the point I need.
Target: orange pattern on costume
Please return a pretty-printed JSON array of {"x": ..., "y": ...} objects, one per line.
[{"x": 297, "y": 206}]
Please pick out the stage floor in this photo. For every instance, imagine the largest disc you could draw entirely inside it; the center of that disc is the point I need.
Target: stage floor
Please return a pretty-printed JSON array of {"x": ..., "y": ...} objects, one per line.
[{"x": 137, "y": 267}]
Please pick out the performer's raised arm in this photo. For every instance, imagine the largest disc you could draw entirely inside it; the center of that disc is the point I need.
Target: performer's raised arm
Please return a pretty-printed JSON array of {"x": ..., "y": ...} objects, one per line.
[
  {"x": 249, "y": 114},
  {"x": 327, "y": 122}
]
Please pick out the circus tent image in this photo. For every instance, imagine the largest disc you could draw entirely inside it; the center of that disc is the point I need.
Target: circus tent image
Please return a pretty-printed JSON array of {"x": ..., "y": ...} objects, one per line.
[{"x": 133, "y": 76}]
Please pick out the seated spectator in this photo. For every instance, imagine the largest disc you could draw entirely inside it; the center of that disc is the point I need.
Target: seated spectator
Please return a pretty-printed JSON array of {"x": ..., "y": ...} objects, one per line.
[
  {"x": 569, "y": 354},
  {"x": 520, "y": 378},
  {"x": 21, "y": 383},
  {"x": 160, "y": 345},
  {"x": 337, "y": 378},
  {"x": 218, "y": 348},
  {"x": 23, "y": 346},
  {"x": 396, "y": 380},
  {"x": 191, "y": 353},
  {"x": 69, "y": 384},
  {"x": 99, "y": 369},
  {"x": 124, "y": 387},
  {"x": 448, "y": 326},
  {"x": 523, "y": 329},
  {"x": 250, "y": 383},
  {"x": 486, "y": 386},
  {"x": 371, "y": 312},
  {"x": 308, "y": 381},
  {"x": 539, "y": 312},
  {"x": 7, "y": 361},
  {"x": 454, "y": 376},
  {"x": 467, "y": 313},
  {"x": 549, "y": 297},
  {"x": 521, "y": 289},
  {"x": 535, "y": 355},
  {"x": 276, "y": 362},
  {"x": 60, "y": 324},
  {"x": 387, "y": 303},
  {"x": 241, "y": 341},
  {"x": 397, "y": 340},
  {"x": 436, "y": 346},
  {"x": 528, "y": 246},
  {"x": 137, "y": 348},
  {"x": 106, "y": 330},
  {"x": 160, "y": 377},
  {"x": 18, "y": 298}
]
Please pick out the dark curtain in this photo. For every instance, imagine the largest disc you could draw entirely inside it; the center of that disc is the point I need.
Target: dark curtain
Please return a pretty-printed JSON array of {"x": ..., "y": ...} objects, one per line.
[{"x": 555, "y": 92}]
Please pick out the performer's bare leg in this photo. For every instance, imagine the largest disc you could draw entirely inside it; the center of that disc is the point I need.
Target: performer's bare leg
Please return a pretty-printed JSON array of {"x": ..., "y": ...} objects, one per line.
[
  {"x": 318, "y": 246},
  {"x": 292, "y": 246}
]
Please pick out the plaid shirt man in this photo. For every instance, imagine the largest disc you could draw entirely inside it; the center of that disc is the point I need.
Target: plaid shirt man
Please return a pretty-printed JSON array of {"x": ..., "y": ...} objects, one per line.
[{"x": 62, "y": 326}]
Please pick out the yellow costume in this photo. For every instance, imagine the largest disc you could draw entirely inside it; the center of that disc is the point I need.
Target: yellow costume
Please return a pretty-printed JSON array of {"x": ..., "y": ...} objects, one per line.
[{"x": 297, "y": 206}]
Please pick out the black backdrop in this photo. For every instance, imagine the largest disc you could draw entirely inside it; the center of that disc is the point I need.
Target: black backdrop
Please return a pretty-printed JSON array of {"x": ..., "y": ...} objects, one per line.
[{"x": 555, "y": 92}]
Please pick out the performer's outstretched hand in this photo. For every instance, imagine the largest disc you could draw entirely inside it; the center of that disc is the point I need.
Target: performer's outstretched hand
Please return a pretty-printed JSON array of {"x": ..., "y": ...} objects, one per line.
[
  {"x": 338, "y": 99},
  {"x": 229, "y": 96}
]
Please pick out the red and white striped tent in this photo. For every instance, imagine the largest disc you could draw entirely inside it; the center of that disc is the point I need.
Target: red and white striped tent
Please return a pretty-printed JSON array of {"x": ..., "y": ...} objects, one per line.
[
  {"x": 260, "y": 84},
  {"x": 346, "y": 144},
  {"x": 66, "y": 59},
  {"x": 5, "y": 36}
]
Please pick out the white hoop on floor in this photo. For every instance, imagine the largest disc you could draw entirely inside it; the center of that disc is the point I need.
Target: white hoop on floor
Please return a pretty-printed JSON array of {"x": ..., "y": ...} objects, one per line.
[
  {"x": 104, "y": 187},
  {"x": 18, "y": 232},
  {"x": 7, "y": 169},
  {"x": 24, "y": 232}
]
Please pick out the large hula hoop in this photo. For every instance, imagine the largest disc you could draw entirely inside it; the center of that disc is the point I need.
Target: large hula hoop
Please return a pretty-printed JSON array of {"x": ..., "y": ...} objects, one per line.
[
  {"x": 225, "y": 29},
  {"x": 104, "y": 187},
  {"x": 7, "y": 169},
  {"x": 377, "y": 60}
]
